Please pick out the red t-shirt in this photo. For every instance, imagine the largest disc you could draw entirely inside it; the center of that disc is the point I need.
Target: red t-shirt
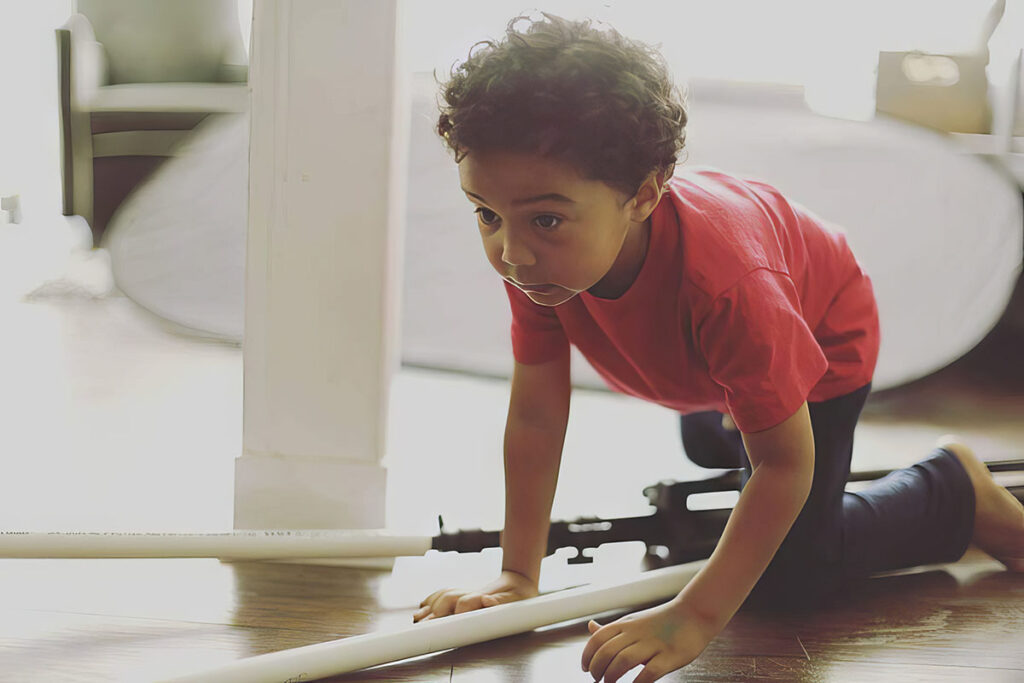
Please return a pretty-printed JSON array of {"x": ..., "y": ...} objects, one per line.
[{"x": 746, "y": 303}]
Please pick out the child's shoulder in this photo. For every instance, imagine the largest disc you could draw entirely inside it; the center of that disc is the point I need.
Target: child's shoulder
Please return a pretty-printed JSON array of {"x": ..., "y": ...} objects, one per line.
[
  {"x": 722, "y": 227},
  {"x": 711, "y": 185}
]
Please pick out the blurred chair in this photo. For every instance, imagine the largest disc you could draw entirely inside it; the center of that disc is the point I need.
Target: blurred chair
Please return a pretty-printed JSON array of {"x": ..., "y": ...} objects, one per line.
[{"x": 135, "y": 77}]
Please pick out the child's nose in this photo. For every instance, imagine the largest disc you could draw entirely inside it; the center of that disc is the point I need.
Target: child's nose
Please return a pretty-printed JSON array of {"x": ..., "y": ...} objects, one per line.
[{"x": 515, "y": 252}]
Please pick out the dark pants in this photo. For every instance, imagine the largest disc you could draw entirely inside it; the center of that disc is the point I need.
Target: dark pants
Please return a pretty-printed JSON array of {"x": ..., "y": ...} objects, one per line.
[{"x": 922, "y": 514}]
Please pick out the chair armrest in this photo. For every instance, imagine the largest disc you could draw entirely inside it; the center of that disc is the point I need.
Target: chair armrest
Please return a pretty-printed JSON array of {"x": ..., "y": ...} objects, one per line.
[
  {"x": 234, "y": 73},
  {"x": 85, "y": 58},
  {"x": 172, "y": 97}
]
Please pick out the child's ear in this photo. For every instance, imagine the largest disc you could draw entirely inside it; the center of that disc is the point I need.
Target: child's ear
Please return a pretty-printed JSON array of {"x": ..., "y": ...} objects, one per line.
[{"x": 649, "y": 194}]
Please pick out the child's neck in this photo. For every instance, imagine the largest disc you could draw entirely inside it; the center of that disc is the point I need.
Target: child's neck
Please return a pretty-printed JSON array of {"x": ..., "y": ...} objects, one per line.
[{"x": 630, "y": 261}]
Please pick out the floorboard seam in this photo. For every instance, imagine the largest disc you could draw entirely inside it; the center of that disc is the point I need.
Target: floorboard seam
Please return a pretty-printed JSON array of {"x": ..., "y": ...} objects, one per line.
[{"x": 802, "y": 647}]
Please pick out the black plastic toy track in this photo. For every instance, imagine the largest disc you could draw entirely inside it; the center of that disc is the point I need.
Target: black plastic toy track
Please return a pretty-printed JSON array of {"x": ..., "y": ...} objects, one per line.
[{"x": 673, "y": 532}]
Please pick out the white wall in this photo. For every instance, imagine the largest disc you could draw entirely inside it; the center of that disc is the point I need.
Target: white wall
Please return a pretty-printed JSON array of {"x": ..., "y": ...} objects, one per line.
[
  {"x": 829, "y": 46},
  {"x": 29, "y": 133}
]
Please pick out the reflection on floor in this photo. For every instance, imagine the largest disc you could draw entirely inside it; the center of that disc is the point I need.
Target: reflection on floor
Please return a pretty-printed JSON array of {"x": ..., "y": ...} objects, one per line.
[{"x": 110, "y": 421}]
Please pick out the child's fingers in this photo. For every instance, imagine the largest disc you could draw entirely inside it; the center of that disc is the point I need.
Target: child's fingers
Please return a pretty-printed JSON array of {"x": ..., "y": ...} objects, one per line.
[
  {"x": 445, "y": 604},
  {"x": 599, "y": 635},
  {"x": 606, "y": 653},
  {"x": 628, "y": 659},
  {"x": 655, "y": 669},
  {"x": 431, "y": 604},
  {"x": 468, "y": 603},
  {"x": 420, "y": 616},
  {"x": 429, "y": 600}
]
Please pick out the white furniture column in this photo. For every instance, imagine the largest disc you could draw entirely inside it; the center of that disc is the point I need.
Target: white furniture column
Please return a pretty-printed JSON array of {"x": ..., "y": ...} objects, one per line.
[{"x": 326, "y": 201}]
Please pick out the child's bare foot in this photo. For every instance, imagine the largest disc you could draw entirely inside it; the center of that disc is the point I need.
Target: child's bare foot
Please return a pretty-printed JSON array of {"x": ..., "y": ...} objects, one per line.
[{"x": 998, "y": 516}]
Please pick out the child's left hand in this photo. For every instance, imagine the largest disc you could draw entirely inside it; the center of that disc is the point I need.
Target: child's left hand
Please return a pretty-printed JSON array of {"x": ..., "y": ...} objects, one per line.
[{"x": 664, "y": 638}]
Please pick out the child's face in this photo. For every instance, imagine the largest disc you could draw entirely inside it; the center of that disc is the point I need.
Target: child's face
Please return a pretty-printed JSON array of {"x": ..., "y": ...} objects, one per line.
[{"x": 546, "y": 229}]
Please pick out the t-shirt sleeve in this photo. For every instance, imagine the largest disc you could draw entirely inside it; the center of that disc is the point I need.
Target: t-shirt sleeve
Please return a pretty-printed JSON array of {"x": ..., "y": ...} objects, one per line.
[
  {"x": 537, "y": 334},
  {"x": 760, "y": 350}
]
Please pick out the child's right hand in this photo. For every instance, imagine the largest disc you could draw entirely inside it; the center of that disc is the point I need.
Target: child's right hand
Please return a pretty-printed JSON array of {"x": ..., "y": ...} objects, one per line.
[{"x": 509, "y": 587}]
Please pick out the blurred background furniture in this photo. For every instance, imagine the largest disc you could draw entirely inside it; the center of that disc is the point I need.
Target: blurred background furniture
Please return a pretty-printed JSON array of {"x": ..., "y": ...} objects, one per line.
[
  {"x": 913, "y": 200},
  {"x": 135, "y": 77},
  {"x": 948, "y": 92}
]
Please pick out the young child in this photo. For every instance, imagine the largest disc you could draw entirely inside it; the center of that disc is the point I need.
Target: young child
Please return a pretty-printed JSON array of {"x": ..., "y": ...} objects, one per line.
[{"x": 707, "y": 293}]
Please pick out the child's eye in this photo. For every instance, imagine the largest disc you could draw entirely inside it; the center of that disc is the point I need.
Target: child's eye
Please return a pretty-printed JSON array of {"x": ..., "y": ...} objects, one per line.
[
  {"x": 486, "y": 216},
  {"x": 547, "y": 222}
]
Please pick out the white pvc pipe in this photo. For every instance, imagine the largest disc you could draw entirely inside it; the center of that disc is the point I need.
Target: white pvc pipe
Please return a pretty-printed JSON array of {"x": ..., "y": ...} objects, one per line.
[
  {"x": 358, "y": 652},
  {"x": 238, "y": 545}
]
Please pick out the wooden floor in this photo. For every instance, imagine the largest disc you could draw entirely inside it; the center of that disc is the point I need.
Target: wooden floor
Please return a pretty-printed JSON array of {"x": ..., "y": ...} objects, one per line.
[
  {"x": 137, "y": 620},
  {"x": 102, "y": 620}
]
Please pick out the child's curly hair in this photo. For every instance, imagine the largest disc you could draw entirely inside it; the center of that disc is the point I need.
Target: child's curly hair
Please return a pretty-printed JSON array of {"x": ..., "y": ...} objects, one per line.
[{"x": 599, "y": 101}]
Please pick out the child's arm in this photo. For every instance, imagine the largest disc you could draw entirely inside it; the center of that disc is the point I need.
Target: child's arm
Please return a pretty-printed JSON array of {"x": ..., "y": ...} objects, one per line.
[
  {"x": 782, "y": 459},
  {"x": 538, "y": 414},
  {"x": 669, "y": 636}
]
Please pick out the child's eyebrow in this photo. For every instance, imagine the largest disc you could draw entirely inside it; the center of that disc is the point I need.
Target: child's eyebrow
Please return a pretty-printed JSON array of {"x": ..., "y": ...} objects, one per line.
[{"x": 551, "y": 196}]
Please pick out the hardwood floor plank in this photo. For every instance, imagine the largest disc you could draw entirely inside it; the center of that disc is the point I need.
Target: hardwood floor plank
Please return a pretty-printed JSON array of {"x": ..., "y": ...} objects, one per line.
[
  {"x": 61, "y": 646},
  {"x": 926, "y": 618}
]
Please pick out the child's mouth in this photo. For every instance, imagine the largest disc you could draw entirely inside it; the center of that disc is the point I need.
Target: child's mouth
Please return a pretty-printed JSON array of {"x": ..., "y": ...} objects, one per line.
[{"x": 538, "y": 289}]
